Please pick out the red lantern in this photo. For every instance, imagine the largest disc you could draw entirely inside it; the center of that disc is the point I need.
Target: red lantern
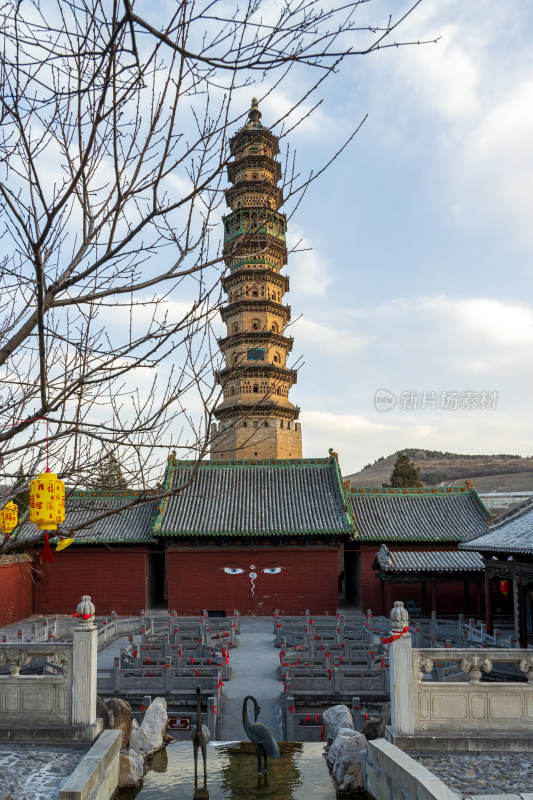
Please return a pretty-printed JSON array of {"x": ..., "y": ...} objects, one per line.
[{"x": 504, "y": 588}]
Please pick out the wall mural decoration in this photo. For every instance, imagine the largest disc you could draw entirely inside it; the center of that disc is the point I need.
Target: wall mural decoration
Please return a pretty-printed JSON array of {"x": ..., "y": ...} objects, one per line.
[{"x": 236, "y": 568}]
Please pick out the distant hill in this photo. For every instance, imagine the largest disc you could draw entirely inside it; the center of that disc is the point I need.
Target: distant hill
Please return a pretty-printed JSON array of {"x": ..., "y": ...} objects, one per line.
[{"x": 498, "y": 473}]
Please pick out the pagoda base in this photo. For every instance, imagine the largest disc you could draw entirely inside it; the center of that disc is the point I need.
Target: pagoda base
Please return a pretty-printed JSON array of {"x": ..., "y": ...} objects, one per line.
[{"x": 270, "y": 438}]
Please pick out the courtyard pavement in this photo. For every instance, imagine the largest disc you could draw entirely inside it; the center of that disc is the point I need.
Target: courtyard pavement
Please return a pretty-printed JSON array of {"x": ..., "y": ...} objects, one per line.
[{"x": 254, "y": 662}]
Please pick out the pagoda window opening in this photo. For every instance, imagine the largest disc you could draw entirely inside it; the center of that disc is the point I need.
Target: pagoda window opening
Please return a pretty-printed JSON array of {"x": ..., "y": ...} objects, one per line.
[
  {"x": 255, "y": 293},
  {"x": 255, "y": 324},
  {"x": 274, "y": 327},
  {"x": 235, "y": 327},
  {"x": 281, "y": 423},
  {"x": 256, "y": 388},
  {"x": 289, "y": 425},
  {"x": 277, "y": 358},
  {"x": 254, "y": 176}
]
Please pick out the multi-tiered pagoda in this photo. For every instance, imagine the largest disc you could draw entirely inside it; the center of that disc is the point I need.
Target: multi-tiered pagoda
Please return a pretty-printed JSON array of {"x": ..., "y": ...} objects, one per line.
[{"x": 256, "y": 417}]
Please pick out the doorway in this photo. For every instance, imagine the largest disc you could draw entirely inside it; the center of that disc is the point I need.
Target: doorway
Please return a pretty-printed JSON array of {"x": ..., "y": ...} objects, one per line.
[{"x": 156, "y": 588}]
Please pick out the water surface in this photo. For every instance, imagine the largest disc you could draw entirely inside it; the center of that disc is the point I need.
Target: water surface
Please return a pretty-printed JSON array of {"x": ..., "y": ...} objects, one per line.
[{"x": 301, "y": 773}]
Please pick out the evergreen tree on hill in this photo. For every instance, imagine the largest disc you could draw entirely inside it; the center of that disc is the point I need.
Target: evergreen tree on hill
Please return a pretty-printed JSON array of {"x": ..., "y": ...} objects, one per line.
[
  {"x": 110, "y": 477},
  {"x": 405, "y": 474}
]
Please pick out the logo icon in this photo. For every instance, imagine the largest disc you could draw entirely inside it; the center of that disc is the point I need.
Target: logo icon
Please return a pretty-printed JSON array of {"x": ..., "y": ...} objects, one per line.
[{"x": 384, "y": 400}]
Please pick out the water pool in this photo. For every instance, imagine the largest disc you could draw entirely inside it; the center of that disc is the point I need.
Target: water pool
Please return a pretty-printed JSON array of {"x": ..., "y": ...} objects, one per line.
[{"x": 300, "y": 774}]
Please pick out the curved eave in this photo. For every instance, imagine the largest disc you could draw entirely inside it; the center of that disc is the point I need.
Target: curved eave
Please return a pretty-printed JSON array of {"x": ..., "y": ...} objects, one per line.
[
  {"x": 265, "y": 408},
  {"x": 254, "y": 161},
  {"x": 255, "y": 534},
  {"x": 254, "y": 243},
  {"x": 253, "y": 368},
  {"x": 254, "y": 306},
  {"x": 256, "y": 275},
  {"x": 253, "y": 135},
  {"x": 274, "y": 339},
  {"x": 263, "y": 187}
]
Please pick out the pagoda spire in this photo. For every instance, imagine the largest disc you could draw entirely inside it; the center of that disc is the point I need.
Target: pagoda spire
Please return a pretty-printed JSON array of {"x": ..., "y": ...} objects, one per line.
[{"x": 256, "y": 419}]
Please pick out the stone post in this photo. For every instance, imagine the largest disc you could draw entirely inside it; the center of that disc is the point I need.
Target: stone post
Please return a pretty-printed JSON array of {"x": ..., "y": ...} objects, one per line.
[
  {"x": 433, "y": 623},
  {"x": 116, "y": 675},
  {"x": 212, "y": 711},
  {"x": 401, "y": 672},
  {"x": 84, "y": 665},
  {"x": 168, "y": 674},
  {"x": 238, "y": 621},
  {"x": 356, "y": 713},
  {"x": 291, "y": 723}
]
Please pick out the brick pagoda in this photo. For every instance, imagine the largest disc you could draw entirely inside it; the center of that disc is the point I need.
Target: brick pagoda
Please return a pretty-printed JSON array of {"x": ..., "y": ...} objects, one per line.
[{"x": 256, "y": 417}]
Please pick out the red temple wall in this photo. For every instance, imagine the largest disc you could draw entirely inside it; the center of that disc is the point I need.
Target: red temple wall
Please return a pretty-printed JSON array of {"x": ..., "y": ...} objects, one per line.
[
  {"x": 307, "y": 578},
  {"x": 114, "y": 579},
  {"x": 450, "y": 596},
  {"x": 16, "y": 592}
]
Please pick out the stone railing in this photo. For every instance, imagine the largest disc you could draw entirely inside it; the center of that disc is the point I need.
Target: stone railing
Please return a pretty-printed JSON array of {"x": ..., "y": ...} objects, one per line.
[
  {"x": 425, "y": 708},
  {"x": 62, "y": 697}
]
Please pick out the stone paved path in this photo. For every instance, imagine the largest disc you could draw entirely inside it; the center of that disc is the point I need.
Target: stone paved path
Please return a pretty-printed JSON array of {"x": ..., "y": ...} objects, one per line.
[
  {"x": 254, "y": 662},
  {"x": 490, "y": 773},
  {"x": 36, "y": 772}
]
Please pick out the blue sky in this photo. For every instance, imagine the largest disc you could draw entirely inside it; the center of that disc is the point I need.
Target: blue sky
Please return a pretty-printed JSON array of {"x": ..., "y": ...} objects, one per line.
[
  {"x": 419, "y": 278},
  {"x": 413, "y": 265}
]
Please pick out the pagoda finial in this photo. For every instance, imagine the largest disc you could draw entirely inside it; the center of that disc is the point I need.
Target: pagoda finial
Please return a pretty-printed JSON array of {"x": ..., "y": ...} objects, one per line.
[{"x": 254, "y": 114}]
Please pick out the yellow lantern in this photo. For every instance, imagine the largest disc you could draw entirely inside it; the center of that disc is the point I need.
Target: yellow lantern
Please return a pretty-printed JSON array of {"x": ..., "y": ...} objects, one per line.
[
  {"x": 9, "y": 516},
  {"x": 63, "y": 543},
  {"x": 47, "y": 501}
]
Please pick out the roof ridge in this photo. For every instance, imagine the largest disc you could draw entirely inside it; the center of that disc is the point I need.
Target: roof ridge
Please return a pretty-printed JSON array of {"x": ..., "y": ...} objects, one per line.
[
  {"x": 411, "y": 490},
  {"x": 512, "y": 513},
  {"x": 248, "y": 462}
]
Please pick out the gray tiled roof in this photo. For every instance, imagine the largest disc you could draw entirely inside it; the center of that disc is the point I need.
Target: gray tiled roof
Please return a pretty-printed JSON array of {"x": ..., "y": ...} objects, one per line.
[
  {"x": 130, "y": 526},
  {"x": 417, "y": 515},
  {"x": 510, "y": 533},
  {"x": 257, "y": 498},
  {"x": 427, "y": 561}
]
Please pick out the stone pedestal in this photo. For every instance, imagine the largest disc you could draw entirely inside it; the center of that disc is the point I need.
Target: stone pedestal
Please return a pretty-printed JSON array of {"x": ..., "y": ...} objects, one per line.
[
  {"x": 401, "y": 672},
  {"x": 84, "y": 675}
]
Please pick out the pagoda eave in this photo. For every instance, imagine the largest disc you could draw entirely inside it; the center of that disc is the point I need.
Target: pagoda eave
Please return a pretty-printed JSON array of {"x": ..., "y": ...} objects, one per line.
[
  {"x": 265, "y": 370},
  {"x": 256, "y": 275},
  {"x": 254, "y": 161},
  {"x": 258, "y": 337},
  {"x": 246, "y": 136},
  {"x": 254, "y": 306},
  {"x": 263, "y": 408}
]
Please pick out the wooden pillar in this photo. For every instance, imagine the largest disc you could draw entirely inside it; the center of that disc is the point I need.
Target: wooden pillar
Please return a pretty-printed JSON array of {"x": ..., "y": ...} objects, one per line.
[
  {"x": 388, "y": 598},
  {"x": 383, "y": 598},
  {"x": 479, "y": 606},
  {"x": 434, "y": 595},
  {"x": 488, "y": 602},
  {"x": 521, "y": 609},
  {"x": 466, "y": 599},
  {"x": 424, "y": 598}
]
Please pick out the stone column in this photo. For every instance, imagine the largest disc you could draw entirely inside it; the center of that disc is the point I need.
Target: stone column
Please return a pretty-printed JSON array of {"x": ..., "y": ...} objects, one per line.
[
  {"x": 401, "y": 672},
  {"x": 488, "y": 601},
  {"x": 84, "y": 665}
]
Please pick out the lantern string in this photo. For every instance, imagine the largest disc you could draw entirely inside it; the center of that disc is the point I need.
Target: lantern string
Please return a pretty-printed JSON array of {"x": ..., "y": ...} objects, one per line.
[{"x": 47, "y": 467}]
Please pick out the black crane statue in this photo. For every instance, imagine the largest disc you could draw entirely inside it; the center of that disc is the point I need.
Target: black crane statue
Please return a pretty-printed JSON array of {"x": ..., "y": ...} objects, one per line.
[
  {"x": 259, "y": 734},
  {"x": 200, "y": 737}
]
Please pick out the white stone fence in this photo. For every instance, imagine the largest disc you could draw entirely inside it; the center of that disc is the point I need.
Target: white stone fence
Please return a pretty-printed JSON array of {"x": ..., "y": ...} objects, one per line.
[
  {"x": 63, "y": 696},
  {"x": 420, "y": 707}
]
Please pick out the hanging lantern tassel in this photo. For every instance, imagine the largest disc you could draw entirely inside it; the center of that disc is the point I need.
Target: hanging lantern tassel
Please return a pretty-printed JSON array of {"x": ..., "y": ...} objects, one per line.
[{"x": 47, "y": 555}]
